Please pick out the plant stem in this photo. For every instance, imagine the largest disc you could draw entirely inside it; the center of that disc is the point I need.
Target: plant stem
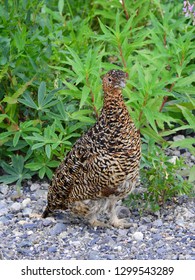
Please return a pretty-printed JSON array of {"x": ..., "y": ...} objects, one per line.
[
  {"x": 144, "y": 104},
  {"x": 121, "y": 55},
  {"x": 165, "y": 98},
  {"x": 125, "y": 10}
]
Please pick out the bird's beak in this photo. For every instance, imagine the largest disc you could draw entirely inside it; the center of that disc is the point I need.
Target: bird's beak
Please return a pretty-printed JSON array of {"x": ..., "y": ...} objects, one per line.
[{"x": 122, "y": 84}]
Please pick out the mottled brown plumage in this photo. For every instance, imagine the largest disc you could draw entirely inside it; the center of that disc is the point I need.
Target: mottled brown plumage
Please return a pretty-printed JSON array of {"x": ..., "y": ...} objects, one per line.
[{"x": 103, "y": 165}]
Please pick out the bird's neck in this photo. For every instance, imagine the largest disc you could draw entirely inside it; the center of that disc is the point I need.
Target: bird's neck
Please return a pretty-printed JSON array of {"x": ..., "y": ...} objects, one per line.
[{"x": 114, "y": 106}]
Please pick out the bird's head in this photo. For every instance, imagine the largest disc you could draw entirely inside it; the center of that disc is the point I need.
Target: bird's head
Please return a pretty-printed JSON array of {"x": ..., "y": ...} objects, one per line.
[{"x": 114, "y": 79}]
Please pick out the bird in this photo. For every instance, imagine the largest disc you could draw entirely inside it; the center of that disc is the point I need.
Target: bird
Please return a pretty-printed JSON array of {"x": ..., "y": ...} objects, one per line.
[{"x": 102, "y": 168}]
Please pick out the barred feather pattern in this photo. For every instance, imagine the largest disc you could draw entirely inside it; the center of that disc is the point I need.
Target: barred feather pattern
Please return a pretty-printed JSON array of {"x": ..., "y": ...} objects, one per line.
[{"x": 104, "y": 163}]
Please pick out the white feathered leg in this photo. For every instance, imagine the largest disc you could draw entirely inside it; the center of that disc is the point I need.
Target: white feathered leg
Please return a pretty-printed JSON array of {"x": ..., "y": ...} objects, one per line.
[{"x": 114, "y": 220}]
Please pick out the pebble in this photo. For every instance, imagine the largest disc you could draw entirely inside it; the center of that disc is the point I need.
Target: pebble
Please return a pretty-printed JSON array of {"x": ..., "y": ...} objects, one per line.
[
  {"x": 3, "y": 211},
  {"x": 16, "y": 206},
  {"x": 30, "y": 225},
  {"x": 57, "y": 229},
  {"x": 173, "y": 159},
  {"x": 34, "y": 187},
  {"x": 146, "y": 219},
  {"x": 3, "y": 204},
  {"x": 93, "y": 255},
  {"x": 178, "y": 137},
  {"x": 26, "y": 202},
  {"x": 4, "y": 189},
  {"x": 123, "y": 212},
  {"x": 138, "y": 236},
  {"x": 27, "y": 212},
  {"x": 158, "y": 223},
  {"x": 52, "y": 249},
  {"x": 47, "y": 222}
]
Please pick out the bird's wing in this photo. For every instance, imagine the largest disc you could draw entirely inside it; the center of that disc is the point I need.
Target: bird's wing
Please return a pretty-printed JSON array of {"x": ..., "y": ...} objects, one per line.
[{"x": 98, "y": 175}]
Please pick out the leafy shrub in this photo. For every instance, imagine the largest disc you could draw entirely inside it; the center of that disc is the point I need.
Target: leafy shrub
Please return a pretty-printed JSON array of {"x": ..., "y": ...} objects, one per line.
[
  {"x": 50, "y": 88},
  {"x": 162, "y": 177}
]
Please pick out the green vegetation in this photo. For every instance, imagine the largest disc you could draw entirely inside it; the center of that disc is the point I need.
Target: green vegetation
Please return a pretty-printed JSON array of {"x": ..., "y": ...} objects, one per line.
[{"x": 52, "y": 55}]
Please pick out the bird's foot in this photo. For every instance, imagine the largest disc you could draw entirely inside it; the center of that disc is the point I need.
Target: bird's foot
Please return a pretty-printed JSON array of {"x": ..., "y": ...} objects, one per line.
[
  {"x": 97, "y": 223},
  {"x": 35, "y": 215},
  {"x": 120, "y": 223}
]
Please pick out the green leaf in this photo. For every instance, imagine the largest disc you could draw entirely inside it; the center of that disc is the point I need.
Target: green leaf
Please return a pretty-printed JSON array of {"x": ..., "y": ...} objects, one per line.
[
  {"x": 5, "y": 135},
  {"x": 14, "y": 98},
  {"x": 15, "y": 172},
  {"x": 152, "y": 134},
  {"x": 3, "y": 117},
  {"x": 150, "y": 118},
  {"x": 48, "y": 150},
  {"x": 34, "y": 166},
  {"x": 192, "y": 175},
  {"x": 49, "y": 173},
  {"x": 53, "y": 163},
  {"x": 18, "y": 163},
  {"x": 62, "y": 111},
  {"x": 185, "y": 81},
  {"x": 185, "y": 143},
  {"x": 41, "y": 94},
  {"x": 84, "y": 96},
  {"x": 28, "y": 101},
  {"x": 188, "y": 116},
  {"x": 16, "y": 138},
  {"x": 60, "y": 6},
  {"x": 8, "y": 179},
  {"x": 37, "y": 146},
  {"x": 189, "y": 90},
  {"x": 42, "y": 172},
  {"x": 8, "y": 169}
]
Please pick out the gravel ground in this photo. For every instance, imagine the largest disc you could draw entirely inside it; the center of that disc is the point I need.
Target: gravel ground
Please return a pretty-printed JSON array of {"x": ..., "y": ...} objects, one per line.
[{"x": 166, "y": 234}]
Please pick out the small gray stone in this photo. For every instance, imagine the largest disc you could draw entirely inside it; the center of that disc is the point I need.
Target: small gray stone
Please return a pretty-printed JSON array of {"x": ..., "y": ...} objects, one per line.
[
  {"x": 161, "y": 250},
  {"x": 75, "y": 243},
  {"x": 173, "y": 159},
  {"x": 4, "y": 189},
  {"x": 176, "y": 153},
  {"x": 110, "y": 257},
  {"x": 157, "y": 236},
  {"x": 47, "y": 222},
  {"x": 3, "y": 204},
  {"x": 122, "y": 232},
  {"x": 25, "y": 243},
  {"x": 41, "y": 193},
  {"x": 26, "y": 202},
  {"x": 138, "y": 236},
  {"x": 58, "y": 228},
  {"x": 52, "y": 249},
  {"x": 45, "y": 185},
  {"x": 34, "y": 187},
  {"x": 93, "y": 255},
  {"x": 178, "y": 137},
  {"x": 3, "y": 211},
  {"x": 27, "y": 212},
  {"x": 123, "y": 212},
  {"x": 4, "y": 219},
  {"x": 30, "y": 225},
  {"x": 146, "y": 219},
  {"x": 158, "y": 223},
  {"x": 16, "y": 206},
  {"x": 142, "y": 228}
]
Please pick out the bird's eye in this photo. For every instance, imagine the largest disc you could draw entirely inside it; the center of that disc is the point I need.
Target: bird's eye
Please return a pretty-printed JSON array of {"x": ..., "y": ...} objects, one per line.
[{"x": 109, "y": 80}]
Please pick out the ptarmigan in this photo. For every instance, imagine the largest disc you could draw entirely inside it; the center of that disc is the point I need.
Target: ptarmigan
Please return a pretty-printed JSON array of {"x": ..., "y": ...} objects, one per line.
[{"x": 103, "y": 165}]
